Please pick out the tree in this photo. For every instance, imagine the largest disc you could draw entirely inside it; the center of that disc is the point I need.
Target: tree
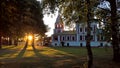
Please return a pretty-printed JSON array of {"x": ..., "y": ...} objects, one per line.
[
  {"x": 19, "y": 17},
  {"x": 89, "y": 51},
  {"x": 115, "y": 33},
  {"x": 4, "y": 23},
  {"x": 111, "y": 29}
]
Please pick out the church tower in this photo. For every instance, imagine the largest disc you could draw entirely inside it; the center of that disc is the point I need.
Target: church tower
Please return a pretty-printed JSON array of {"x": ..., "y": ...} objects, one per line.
[{"x": 59, "y": 26}]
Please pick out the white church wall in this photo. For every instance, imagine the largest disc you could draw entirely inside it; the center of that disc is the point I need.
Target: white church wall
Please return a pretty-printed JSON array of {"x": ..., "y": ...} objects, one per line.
[
  {"x": 81, "y": 43},
  {"x": 55, "y": 43}
]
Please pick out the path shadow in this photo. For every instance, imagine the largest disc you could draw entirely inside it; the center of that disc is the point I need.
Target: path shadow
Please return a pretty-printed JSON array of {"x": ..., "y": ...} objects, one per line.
[
  {"x": 7, "y": 52},
  {"x": 57, "y": 60},
  {"x": 20, "y": 55},
  {"x": 36, "y": 51}
]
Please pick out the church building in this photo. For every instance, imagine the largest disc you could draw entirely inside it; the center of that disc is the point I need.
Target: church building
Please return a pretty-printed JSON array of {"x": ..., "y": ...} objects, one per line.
[{"x": 75, "y": 37}]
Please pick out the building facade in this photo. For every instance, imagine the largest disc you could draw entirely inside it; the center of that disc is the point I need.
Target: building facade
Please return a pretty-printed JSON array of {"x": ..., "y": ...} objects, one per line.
[{"x": 76, "y": 37}]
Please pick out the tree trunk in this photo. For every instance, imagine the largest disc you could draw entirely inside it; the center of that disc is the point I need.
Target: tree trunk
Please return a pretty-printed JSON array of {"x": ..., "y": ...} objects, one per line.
[
  {"x": 17, "y": 41},
  {"x": 33, "y": 40},
  {"x": 115, "y": 34},
  {"x": 89, "y": 51},
  {"x": 33, "y": 44},
  {"x": 26, "y": 44},
  {"x": 0, "y": 42}
]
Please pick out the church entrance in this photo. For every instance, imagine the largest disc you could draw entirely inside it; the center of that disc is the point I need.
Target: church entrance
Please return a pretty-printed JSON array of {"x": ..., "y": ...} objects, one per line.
[
  {"x": 67, "y": 44},
  {"x": 81, "y": 45}
]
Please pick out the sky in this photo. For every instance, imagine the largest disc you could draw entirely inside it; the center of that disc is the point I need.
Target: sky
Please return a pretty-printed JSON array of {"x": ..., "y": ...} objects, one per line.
[{"x": 50, "y": 21}]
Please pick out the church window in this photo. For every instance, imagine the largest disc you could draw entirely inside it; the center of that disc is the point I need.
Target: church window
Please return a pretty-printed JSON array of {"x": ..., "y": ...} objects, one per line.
[
  {"x": 80, "y": 29},
  {"x": 98, "y": 37},
  {"x": 73, "y": 38},
  {"x": 63, "y": 38},
  {"x": 68, "y": 44},
  {"x": 60, "y": 26},
  {"x": 57, "y": 26},
  {"x": 92, "y": 37},
  {"x": 101, "y": 44},
  {"x": 85, "y": 29},
  {"x": 68, "y": 38},
  {"x": 55, "y": 38},
  {"x": 102, "y": 38},
  {"x": 80, "y": 37},
  {"x": 85, "y": 37}
]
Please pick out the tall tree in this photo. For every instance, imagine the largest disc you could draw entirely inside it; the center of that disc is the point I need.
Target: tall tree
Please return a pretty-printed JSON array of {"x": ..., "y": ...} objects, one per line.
[
  {"x": 89, "y": 51},
  {"x": 17, "y": 17},
  {"x": 115, "y": 33},
  {"x": 4, "y": 23}
]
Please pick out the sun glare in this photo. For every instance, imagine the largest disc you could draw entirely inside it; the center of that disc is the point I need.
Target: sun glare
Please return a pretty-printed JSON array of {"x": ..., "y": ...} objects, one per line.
[{"x": 30, "y": 37}]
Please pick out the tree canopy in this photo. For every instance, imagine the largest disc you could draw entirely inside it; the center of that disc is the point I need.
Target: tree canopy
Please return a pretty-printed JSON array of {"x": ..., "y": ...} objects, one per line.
[{"x": 18, "y": 17}]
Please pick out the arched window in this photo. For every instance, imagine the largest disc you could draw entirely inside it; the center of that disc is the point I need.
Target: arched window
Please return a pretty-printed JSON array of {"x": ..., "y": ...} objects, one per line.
[
  {"x": 102, "y": 38},
  {"x": 92, "y": 37},
  {"x": 68, "y": 38},
  {"x": 73, "y": 38},
  {"x": 85, "y": 29},
  {"x": 80, "y": 29},
  {"x": 81, "y": 37},
  {"x": 63, "y": 38},
  {"x": 57, "y": 25},
  {"x": 60, "y": 26}
]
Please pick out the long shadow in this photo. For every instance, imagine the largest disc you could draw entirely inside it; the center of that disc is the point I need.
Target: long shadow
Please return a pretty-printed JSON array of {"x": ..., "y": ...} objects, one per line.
[
  {"x": 42, "y": 58},
  {"x": 8, "y": 51},
  {"x": 36, "y": 51},
  {"x": 62, "y": 60},
  {"x": 22, "y": 51}
]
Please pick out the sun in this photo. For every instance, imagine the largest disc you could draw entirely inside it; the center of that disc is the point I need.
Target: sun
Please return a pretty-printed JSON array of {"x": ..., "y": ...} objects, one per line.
[{"x": 30, "y": 37}]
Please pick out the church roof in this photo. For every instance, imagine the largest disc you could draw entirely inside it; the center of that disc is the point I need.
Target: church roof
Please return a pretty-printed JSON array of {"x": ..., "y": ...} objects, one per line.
[
  {"x": 66, "y": 33},
  {"x": 59, "y": 19}
]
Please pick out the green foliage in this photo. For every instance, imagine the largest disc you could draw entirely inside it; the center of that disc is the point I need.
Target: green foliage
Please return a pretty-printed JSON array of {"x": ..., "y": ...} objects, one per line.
[
  {"x": 18, "y": 17},
  {"x": 103, "y": 16},
  {"x": 70, "y": 10},
  {"x": 21, "y": 16}
]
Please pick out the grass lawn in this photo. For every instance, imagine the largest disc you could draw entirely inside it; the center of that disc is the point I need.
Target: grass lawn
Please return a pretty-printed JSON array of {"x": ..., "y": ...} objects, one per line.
[{"x": 54, "y": 57}]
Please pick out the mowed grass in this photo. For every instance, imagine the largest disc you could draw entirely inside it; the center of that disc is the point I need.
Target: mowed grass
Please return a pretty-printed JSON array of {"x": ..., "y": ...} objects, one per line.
[{"x": 53, "y": 57}]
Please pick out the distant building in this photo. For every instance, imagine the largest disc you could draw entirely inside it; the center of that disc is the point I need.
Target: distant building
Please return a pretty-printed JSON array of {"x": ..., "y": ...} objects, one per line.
[{"x": 76, "y": 37}]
